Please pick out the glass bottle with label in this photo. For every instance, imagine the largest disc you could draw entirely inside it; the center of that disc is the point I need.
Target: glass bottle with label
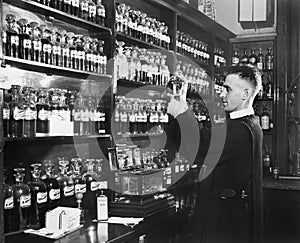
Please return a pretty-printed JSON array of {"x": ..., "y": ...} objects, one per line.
[
  {"x": 265, "y": 119},
  {"x": 75, "y": 7},
  {"x": 36, "y": 42},
  {"x": 267, "y": 166},
  {"x": 79, "y": 181},
  {"x": 101, "y": 13},
  {"x": 46, "y": 44},
  {"x": 66, "y": 184},
  {"x": 121, "y": 62},
  {"x": 253, "y": 57},
  {"x": 38, "y": 191},
  {"x": 67, "y": 6},
  {"x": 66, "y": 41},
  {"x": 12, "y": 34},
  {"x": 42, "y": 108},
  {"x": 244, "y": 57},
  {"x": 22, "y": 200},
  {"x": 269, "y": 59},
  {"x": 73, "y": 56},
  {"x": 56, "y": 38},
  {"x": 92, "y": 187},
  {"x": 8, "y": 205},
  {"x": 92, "y": 11},
  {"x": 30, "y": 112},
  {"x": 260, "y": 59},
  {"x": 80, "y": 59},
  {"x": 269, "y": 87},
  {"x": 6, "y": 113},
  {"x": 84, "y": 9},
  {"x": 17, "y": 112},
  {"x": 25, "y": 41},
  {"x": 52, "y": 186}
]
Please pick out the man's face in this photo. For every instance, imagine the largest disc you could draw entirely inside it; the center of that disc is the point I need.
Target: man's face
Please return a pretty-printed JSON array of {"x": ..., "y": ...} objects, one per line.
[{"x": 233, "y": 94}]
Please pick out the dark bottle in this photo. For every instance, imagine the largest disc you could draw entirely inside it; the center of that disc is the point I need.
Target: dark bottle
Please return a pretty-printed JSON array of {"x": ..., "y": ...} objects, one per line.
[
  {"x": 67, "y": 6},
  {"x": 75, "y": 7},
  {"x": 71, "y": 103},
  {"x": 46, "y": 43},
  {"x": 30, "y": 113},
  {"x": 260, "y": 59},
  {"x": 79, "y": 181},
  {"x": 269, "y": 87},
  {"x": 56, "y": 37},
  {"x": 25, "y": 41},
  {"x": 92, "y": 187},
  {"x": 80, "y": 60},
  {"x": 267, "y": 166},
  {"x": 269, "y": 60},
  {"x": 12, "y": 34},
  {"x": 72, "y": 51},
  {"x": 253, "y": 57},
  {"x": 77, "y": 114},
  {"x": 101, "y": 13},
  {"x": 89, "y": 48},
  {"x": 66, "y": 185},
  {"x": 42, "y": 108},
  {"x": 22, "y": 201},
  {"x": 244, "y": 58},
  {"x": 53, "y": 188},
  {"x": 8, "y": 205},
  {"x": 65, "y": 50},
  {"x": 36, "y": 42},
  {"x": 38, "y": 190},
  {"x": 6, "y": 113},
  {"x": 16, "y": 112},
  {"x": 265, "y": 119},
  {"x": 57, "y": 4}
]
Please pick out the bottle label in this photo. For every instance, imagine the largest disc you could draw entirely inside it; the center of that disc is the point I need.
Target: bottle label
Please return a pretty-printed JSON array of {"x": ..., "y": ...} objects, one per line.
[
  {"x": 85, "y": 6},
  {"x": 123, "y": 117},
  {"x": 29, "y": 114},
  {"x": 6, "y": 113},
  {"x": 94, "y": 186},
  {"x": 103, "y": 185},
  {"x": 37, "y": 45},
  {"x": 77, "y": 116},
  {"x": 265, "y": 122},
  {"x": 89, "y": 57},
  {"x": 266, "y": 161},
  {"x": 176, "y": 168},
  {"x": 9, "y": 203},
  {"x": 56, "y": 50},
  {"x": 73, "y": 53},
  {"x": 18, "y": 114},
  {"x": 182, "y": 167},
  {"x": 25, "y": 201},
  {"x": 54, "y": 194},
  {"x": 80, "y": 188},
  {"x": 85, "y": 116},
  {"x": 92, "y": 10},
  {"x": 27, "y": 43},
  {"x": 252, "y": 60},
  {"x": 81, "y": 55},
  {"x": 260, "y": 65},
  {"x": 68, "y": 191},
  {"x": 102, "y": 207},
  {"x": 41, "y": 197},
  {"x": 235, "y": 61},
  {"x": 102, "y": 117},
  {"x": 43, "y": 115},
  {"x": 67, "y": 2},
  {"x": 75, "y": 3},
  {"x": 47, "y": 48},
  {"x": 15, "y": 40},
  {"x": 65, "y": 52}
]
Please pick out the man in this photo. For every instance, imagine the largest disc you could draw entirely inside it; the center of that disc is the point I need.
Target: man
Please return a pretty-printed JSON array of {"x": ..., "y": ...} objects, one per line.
[{"x": 230, "y": 209}]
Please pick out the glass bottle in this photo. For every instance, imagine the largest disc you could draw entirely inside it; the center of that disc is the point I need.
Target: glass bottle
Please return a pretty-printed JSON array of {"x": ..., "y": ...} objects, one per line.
[
  {"x": 6, "y": 113},
  {"x": 100, "y": 13},
  {"x": 67, "y": 6},
  {"x": 56, "y": 42},
  {"x": 66, "y": 184},
  {"x": 53, "y": 188},
  {"x": 30, "y": 112},
  {"x": 17, "y": 112},
  {"x": 38, "y": 190},
  {"x": 253, "y": 57},
  {"x": 66, "y": 43},
  {"x": 244, "y": 58},
  {"x": 42, "y": 108},
  {"x": 57, "y": 4},
  {"x": 92, "y": 187},
  {"x": 267, "y": 167},
  {"x": 4, "y": 39},
  {"x": 46, "y": 45},
  {"x": 80, "y": 59},
  {"x": 36, "y": 42},
  {"x": 260, "y": 59},
  {"x": 269, "y": 87},
  {"x": 84, "y": 9},
  {"x": 136, "y": 64},
  {"x": 265, "y": 119},
  {"x": 22, "y": 200},
  {"x": 102, "y": 60},
  {"x": 89, "y": 54},
  {"x": 25, "y": 41},
  {"x": 12, "y": 34},
  {"x": 102, "y": 117},
  {"x": 75, "y": 7},
  {"x": 92, "y": 11},
  {"x": 8, "y": 205},
  {"x": 72, "y": 51},
  {"x": 121, "y": 61},
  {"x": 79, "y": 180},
  {"x": 269, "y": 59}
]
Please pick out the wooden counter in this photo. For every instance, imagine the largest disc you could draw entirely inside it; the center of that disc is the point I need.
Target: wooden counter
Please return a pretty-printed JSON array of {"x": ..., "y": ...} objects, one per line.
[{"x": 282, "y": 184}]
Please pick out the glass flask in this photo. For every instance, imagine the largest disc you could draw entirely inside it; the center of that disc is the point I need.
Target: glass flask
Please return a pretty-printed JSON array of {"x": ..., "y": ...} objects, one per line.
[
  {"x": 12, "y": 34},
  {"x": 38, "y": 190},
  {"x": 22, "y": 200}
]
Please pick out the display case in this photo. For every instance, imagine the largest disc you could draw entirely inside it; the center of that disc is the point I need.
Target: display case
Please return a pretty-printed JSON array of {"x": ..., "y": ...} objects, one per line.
[{"x": 75, "y": 53}]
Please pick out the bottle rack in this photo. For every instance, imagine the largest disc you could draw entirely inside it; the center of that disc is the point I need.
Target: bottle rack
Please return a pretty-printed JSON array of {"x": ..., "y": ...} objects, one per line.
[{"x": 174, "y": 13}]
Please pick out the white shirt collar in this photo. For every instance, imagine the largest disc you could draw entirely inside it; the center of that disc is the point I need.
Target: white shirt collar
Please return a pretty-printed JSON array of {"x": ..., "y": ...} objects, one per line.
[{"x": 241, "y": 113}]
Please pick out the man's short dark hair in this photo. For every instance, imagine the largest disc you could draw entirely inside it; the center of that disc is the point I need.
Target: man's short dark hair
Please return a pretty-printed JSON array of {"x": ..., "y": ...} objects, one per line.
[{"x": 249, "y": 73}]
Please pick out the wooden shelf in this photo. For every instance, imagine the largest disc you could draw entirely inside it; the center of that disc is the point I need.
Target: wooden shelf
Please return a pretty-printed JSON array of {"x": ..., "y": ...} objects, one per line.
[
  {"x": 59, "y": 15},
  {"x": 55, "y": 139},
  {"x": 53, "y": 70}
]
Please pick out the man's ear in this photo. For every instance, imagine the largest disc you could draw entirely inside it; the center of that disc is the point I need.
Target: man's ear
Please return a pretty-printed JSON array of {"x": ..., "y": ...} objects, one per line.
[{"x": 246, "y": 93}]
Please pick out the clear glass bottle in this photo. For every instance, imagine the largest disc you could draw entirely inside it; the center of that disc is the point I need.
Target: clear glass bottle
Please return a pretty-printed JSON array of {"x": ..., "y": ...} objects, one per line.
[
  {"x": 22, "y": 200},
  {"x": 42, "y": 108},
  {"x": 17, "y": 112},
  {"x": 6, "y": 113},
  {"x": 80, "y": 59},
  {"x": 8, "y": 205},
  {"x": 65, "y": 45},
  {"x": 66, "y": 184},
  {"x": 53, "y": 188},
  {"x": 260, "y": 60},
  {"x": 253, "y": 57},
  {"x": 269, "y": 59},
  {"x": 56, "y": 42},
  {"x": 92, "y": 11},
  {"x": 84, "y": 9},
  {"x": 75, "y": 7},
  {"x": 121, "y": 61},
  {"x": 265, "y": 119},
  {"x": 102, "y": 60},
  {"x": 46, "y": 44},
  {"x": 269, "y": 87},
  {"x": 25, "y": 41},
  {"x": 38, "y": 190},
  {"x": 245, "y": 57},
  {"x": 30, "y": 112},
  {"x": 267, "y": 164},
  {"x": 67, "y": 6},
  {"x": 89, "y": 48},
  {"x": 12, "y": 34},
  {"x": 79, "y": 180},
  {"x": 36, "y": 36}
]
